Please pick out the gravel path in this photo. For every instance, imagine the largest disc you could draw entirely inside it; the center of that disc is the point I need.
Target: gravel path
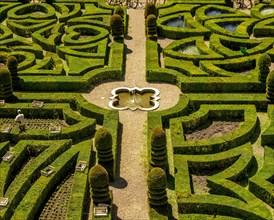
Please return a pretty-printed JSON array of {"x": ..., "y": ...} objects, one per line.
[{"x": 130, "y": 189}]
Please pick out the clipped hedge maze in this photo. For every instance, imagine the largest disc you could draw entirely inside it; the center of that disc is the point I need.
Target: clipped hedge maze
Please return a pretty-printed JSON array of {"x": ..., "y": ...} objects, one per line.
[
  {"x": 60, "y": 47},
  {"x": 213, "y": 47},
  {"x": 228, "y": 175},
  {"x": 32, "y": 195},
  {"x": 220, "y": 134}
]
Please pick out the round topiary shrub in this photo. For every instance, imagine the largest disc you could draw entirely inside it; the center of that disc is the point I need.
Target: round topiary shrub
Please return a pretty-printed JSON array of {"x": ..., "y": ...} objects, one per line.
[
  {"x": 158, "y": 148},
  {"x": 156, "y": 182},
  {"x": 264, "y": 63},
  {"x": 150, "y": 8},
  {"x": 12, "y": 64},
  {"x": 116, "y": 26},
  {"x": 119, "y": 11},
  {"x": 270, "y": 86},
  {"x": 158, "y": 137},
  {"x": 151, "y": 25},
  {"x": 5, "y": 83},
  {"x": 103, "y": 144},
  {"x": 99, "y": 184}
]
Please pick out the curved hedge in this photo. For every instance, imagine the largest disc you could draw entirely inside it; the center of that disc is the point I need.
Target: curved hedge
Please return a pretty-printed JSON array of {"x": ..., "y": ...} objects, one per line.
[
  {"x": 209, "y": 12},
  {"x": 231, "y": 47},
  {"x": 191, "y": 27},
  {"x": 201, "y": 51},
  {"x": 214, "y": 144},
  {"x": 16, "y": 188},
  {"x": 256, "y": 11},
  {"x": 264, "y": 28},
  {"x": 243, "y": 30}
]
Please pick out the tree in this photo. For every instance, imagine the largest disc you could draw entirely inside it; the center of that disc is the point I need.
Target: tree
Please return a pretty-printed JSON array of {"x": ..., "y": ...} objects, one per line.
[
  {"x": 156, "y": 182},
  {"x": 264, "y": 63},
  {"x": 5, "y": 83},
  {"x": 99, "y": 184},
  {"x": 158, "y": 148}
]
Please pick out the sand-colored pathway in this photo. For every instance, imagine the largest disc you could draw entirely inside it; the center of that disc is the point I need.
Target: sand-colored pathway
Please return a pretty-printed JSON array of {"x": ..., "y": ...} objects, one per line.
[{"x": 130, "y": 189}]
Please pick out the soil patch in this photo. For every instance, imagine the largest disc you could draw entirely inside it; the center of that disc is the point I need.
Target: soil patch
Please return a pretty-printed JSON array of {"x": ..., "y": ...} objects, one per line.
[
  {"x": 56, "y": 207},
  {"x": 199, "y": 184},
  {"x": 216, "y": 129}
]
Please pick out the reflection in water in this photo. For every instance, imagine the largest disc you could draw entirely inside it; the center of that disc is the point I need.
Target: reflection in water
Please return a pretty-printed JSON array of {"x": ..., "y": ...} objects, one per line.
[
  {"x": 213, "y": 12},
  {"x": 190, "y": 50},
  {"x": 267, "y": 11},
  {"x": 179, "y": 23},
  {"x": 231, "y": 27}
]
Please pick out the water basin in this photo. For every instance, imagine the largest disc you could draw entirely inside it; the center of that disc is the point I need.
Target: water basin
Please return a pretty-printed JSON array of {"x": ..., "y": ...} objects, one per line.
[
  {"x": 178, "y": 23},
  {"x": 231, "y": 27},
  {"x": 190, "y": 50},
  {"x": 213, "y": 12},
  {"x": 267, "y": 11},
  {"x": 134, "y": 98}
]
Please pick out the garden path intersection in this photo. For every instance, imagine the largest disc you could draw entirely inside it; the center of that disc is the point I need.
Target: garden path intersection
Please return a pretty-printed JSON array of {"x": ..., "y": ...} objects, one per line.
[
  {"x": 211, "y": 67},
  {"x": 130, "y": 188}
]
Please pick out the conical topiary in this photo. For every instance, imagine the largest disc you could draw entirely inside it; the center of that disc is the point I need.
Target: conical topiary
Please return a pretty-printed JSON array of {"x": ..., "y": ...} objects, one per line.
[
  {"x": 12, "y": 64},
  {"x": 156, "y": 182},
  {"x": 5, "y": 83},
  {"x": 270, "y": 86},
  {"x": 151, "y": 25},
  {"x": 264, "y": 63},
  {"x": 158, "y": 148},
  {"x": 99, "y": 184},
  {"x": 116, "y": 26},
  {"x": 150, "y": 8},
  {"x": 119, "y": 11},
  {"x": 103, "y": 144}
]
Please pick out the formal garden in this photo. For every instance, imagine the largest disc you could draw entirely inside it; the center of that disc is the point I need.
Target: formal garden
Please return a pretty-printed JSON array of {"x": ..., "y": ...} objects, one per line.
[{"x": 210, "y": 156}]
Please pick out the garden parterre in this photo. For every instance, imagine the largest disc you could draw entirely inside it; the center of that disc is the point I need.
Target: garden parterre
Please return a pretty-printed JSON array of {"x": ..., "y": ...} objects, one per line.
[
  {"x": 66, "y": 47},
  {"x": 214, "y": 60}
]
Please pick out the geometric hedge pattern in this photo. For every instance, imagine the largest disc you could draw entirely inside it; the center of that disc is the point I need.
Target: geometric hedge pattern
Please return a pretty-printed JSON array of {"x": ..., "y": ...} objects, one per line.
[
  {"x": 213, "y": 58},
  {"x": 66, "y": 47},
  {"x": 227, "y": 176},
  {"x": 216, "y": 48},
  {"x": 35, "y": 149}
]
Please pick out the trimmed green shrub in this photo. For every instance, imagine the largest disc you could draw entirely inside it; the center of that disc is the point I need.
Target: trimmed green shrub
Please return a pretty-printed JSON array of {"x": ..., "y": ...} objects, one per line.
[
  {"x": 158, "y": 137},
  {"x": 103, "y": 144},
  {"x": 119, "y": 11},
  {"x": 229, "y": 3},
  {"x": 116, "y": 26},
  {"x": 158, "y": 148},
  {"x": 99, "y": 184},
  {"x": 264, "y": 63},
  {"x": 5, "y": 83},
  {"x": 156, "y": 182},
  {"x": 12, "y": 64},
  {"x": 151, "y": 25},
  {"x": 150, "y": 8},
  {"x": 270, "y": 86}
]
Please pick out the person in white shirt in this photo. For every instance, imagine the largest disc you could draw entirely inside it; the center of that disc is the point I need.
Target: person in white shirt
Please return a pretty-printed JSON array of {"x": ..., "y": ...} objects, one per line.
[{"x": 20, "y": 119}]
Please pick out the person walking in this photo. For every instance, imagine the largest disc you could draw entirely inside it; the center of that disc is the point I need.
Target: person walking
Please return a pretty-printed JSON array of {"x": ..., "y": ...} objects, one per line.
[{"x": 20, "y": 119}]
